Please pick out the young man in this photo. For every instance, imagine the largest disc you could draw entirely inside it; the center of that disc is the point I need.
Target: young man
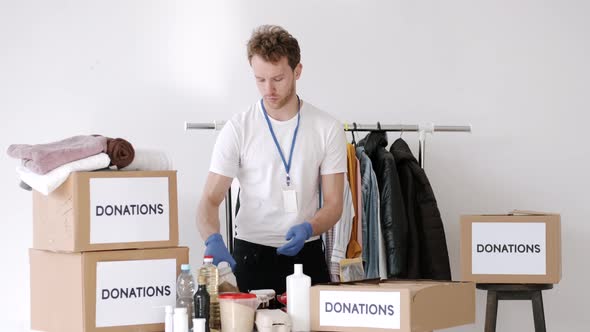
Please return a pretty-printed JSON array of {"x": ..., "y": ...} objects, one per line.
[{"x": 280, "y": 150}]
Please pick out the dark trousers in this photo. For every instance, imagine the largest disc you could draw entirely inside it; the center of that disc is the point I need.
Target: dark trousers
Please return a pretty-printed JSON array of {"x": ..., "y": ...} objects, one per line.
[{"x": 260, "y": 267}]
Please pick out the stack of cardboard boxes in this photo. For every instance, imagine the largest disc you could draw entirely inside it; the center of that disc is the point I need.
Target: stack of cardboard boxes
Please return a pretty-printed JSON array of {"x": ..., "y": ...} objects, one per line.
[{"x": 105, "y": 252}]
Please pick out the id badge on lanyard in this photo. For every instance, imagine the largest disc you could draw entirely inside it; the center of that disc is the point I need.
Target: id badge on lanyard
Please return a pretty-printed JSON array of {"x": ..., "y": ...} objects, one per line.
[
  {"x": 288, "y": 189},
  {"x": 289, "y": 197}
]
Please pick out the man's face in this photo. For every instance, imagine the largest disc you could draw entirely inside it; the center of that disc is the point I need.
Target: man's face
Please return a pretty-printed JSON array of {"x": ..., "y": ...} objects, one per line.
[{"x": 275, "y": 81}]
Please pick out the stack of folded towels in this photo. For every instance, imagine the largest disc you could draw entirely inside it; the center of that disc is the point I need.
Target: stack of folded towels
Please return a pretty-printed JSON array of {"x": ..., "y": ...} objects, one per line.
[{"x": 46, "y": 166}]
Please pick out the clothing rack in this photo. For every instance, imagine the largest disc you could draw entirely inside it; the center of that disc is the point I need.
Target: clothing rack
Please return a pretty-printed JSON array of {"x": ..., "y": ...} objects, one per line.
[{"x": 352, "y": 127}]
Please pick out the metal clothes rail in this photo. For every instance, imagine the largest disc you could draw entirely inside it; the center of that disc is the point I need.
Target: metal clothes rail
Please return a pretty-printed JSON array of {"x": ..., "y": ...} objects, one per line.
[{"x": 352, "y": 127}]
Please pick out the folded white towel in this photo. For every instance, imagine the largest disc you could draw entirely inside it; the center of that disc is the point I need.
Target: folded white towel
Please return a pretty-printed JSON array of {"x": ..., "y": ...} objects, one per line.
[
  {"x": 149, "y": 160},
  {"x": 48, "y": 182}
]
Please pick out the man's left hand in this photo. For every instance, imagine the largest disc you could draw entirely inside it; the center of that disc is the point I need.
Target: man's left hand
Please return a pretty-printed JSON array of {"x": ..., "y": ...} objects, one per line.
[{"x": 297, "y": 235}]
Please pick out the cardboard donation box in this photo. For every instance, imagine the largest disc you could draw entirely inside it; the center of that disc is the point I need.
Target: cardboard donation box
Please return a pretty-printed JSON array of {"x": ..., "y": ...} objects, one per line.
[
  {"x": 107, "y": 211},
  {"x": 402, "y": 305},
  {"x": 123, "y": 290},
  {"x": 522, "y": 247}
]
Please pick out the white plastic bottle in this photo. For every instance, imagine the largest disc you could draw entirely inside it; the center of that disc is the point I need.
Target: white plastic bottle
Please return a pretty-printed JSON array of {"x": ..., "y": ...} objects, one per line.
[
  {"x": 298, "y": 285},
  {"x": 169, "y": 320},
  {"x": 180, "y": 320},
  {"x": 199, "y": 325}
]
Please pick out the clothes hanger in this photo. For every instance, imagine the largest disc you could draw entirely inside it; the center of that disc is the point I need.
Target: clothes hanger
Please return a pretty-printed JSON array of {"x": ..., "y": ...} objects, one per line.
[{"x": 353, "y": 137}]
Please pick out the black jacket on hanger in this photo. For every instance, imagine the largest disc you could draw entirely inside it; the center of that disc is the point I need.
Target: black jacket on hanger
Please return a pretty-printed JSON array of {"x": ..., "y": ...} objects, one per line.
[
  {"x": 428, "y": 257},
  {"x": 394, "y": 224}
]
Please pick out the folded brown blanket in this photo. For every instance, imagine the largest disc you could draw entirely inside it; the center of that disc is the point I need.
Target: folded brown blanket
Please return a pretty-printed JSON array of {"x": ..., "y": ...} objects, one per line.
[
  {"x": 120, "y": 151},
  {"x": 42, "y": 158}
]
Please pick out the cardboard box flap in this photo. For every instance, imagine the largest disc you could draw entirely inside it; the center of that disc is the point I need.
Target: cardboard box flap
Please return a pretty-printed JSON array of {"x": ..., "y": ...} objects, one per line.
[
  {"x": 515, "y": 212},
  {"x": 435, "y": 306},
  {"x": 415, "y": 286},
  {"x": 530, "y": 213},
  {"x": 412, "y": 287},
  {"x": 374, "y": 281},
  {"x": 405, "y": 282},
  {"x": 84, "y": 176},
  {"x": 348, "y": 286}
]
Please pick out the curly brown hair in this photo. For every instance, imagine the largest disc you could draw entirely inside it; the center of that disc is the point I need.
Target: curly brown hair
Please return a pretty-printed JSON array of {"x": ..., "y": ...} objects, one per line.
[{"x": 272, "y": 42}]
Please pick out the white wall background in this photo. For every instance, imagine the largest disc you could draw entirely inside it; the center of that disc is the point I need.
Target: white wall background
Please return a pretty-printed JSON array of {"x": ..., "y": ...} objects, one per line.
[{"x": 518, "y": 71}]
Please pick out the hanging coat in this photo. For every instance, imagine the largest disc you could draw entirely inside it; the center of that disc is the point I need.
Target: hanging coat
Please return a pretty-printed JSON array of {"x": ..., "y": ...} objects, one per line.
[
  {"x": 394, "y": 223},
  {"x": 428, "y": 258}
]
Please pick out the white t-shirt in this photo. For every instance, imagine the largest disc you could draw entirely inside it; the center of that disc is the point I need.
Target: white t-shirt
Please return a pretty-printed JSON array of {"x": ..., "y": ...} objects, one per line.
[{"x": 245, "y": 150}]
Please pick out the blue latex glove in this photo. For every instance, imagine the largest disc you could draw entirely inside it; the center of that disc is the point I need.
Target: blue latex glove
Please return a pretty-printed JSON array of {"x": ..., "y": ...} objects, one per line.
[
  {"x": 297, "y": 235},
  {"x": 217, "y": 249}
]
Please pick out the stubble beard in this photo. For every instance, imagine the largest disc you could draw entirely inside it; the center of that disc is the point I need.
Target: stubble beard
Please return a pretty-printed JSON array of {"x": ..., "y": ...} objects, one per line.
[{"x": 283, "y": 101}]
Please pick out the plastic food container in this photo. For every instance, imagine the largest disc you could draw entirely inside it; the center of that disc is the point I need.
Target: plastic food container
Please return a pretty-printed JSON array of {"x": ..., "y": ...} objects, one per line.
[
  {"x": 265, "y": 298},
  {"x": 237, "y": 311},
  {"x": 272, "y": 321}
]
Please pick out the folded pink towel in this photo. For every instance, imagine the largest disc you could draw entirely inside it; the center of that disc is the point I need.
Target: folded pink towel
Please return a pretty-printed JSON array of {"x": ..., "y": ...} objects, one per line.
[{"x": 42, "y": 158}]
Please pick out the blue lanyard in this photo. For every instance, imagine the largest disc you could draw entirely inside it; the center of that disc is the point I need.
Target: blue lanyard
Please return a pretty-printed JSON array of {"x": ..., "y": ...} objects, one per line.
[{"x": 274, "y": 137}]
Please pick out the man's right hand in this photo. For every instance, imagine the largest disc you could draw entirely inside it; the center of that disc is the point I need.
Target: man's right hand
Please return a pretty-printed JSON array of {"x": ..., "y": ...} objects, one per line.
[{"x": 216, "y": 248}]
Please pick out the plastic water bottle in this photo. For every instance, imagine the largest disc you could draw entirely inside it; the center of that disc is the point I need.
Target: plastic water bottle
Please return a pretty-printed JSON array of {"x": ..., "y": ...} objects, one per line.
[
  {"x": 211, "y": 275},
  {"x": 185, "y": 289},
  {"x": 298, "y": 285}
]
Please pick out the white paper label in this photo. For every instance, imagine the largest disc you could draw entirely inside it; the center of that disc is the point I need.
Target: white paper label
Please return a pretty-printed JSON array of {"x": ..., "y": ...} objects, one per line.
[
  {"x": 360, "y": 309},
  {"x": 129, "y": 210},
  {"x": 290, "y": 201},
  {"x": 509, "y": 248},
  {"x": 134, "y": 292}
]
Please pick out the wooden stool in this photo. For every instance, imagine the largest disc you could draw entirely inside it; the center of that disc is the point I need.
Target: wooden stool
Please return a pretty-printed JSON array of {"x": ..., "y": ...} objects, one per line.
[{"x": 498, "y": 292}]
